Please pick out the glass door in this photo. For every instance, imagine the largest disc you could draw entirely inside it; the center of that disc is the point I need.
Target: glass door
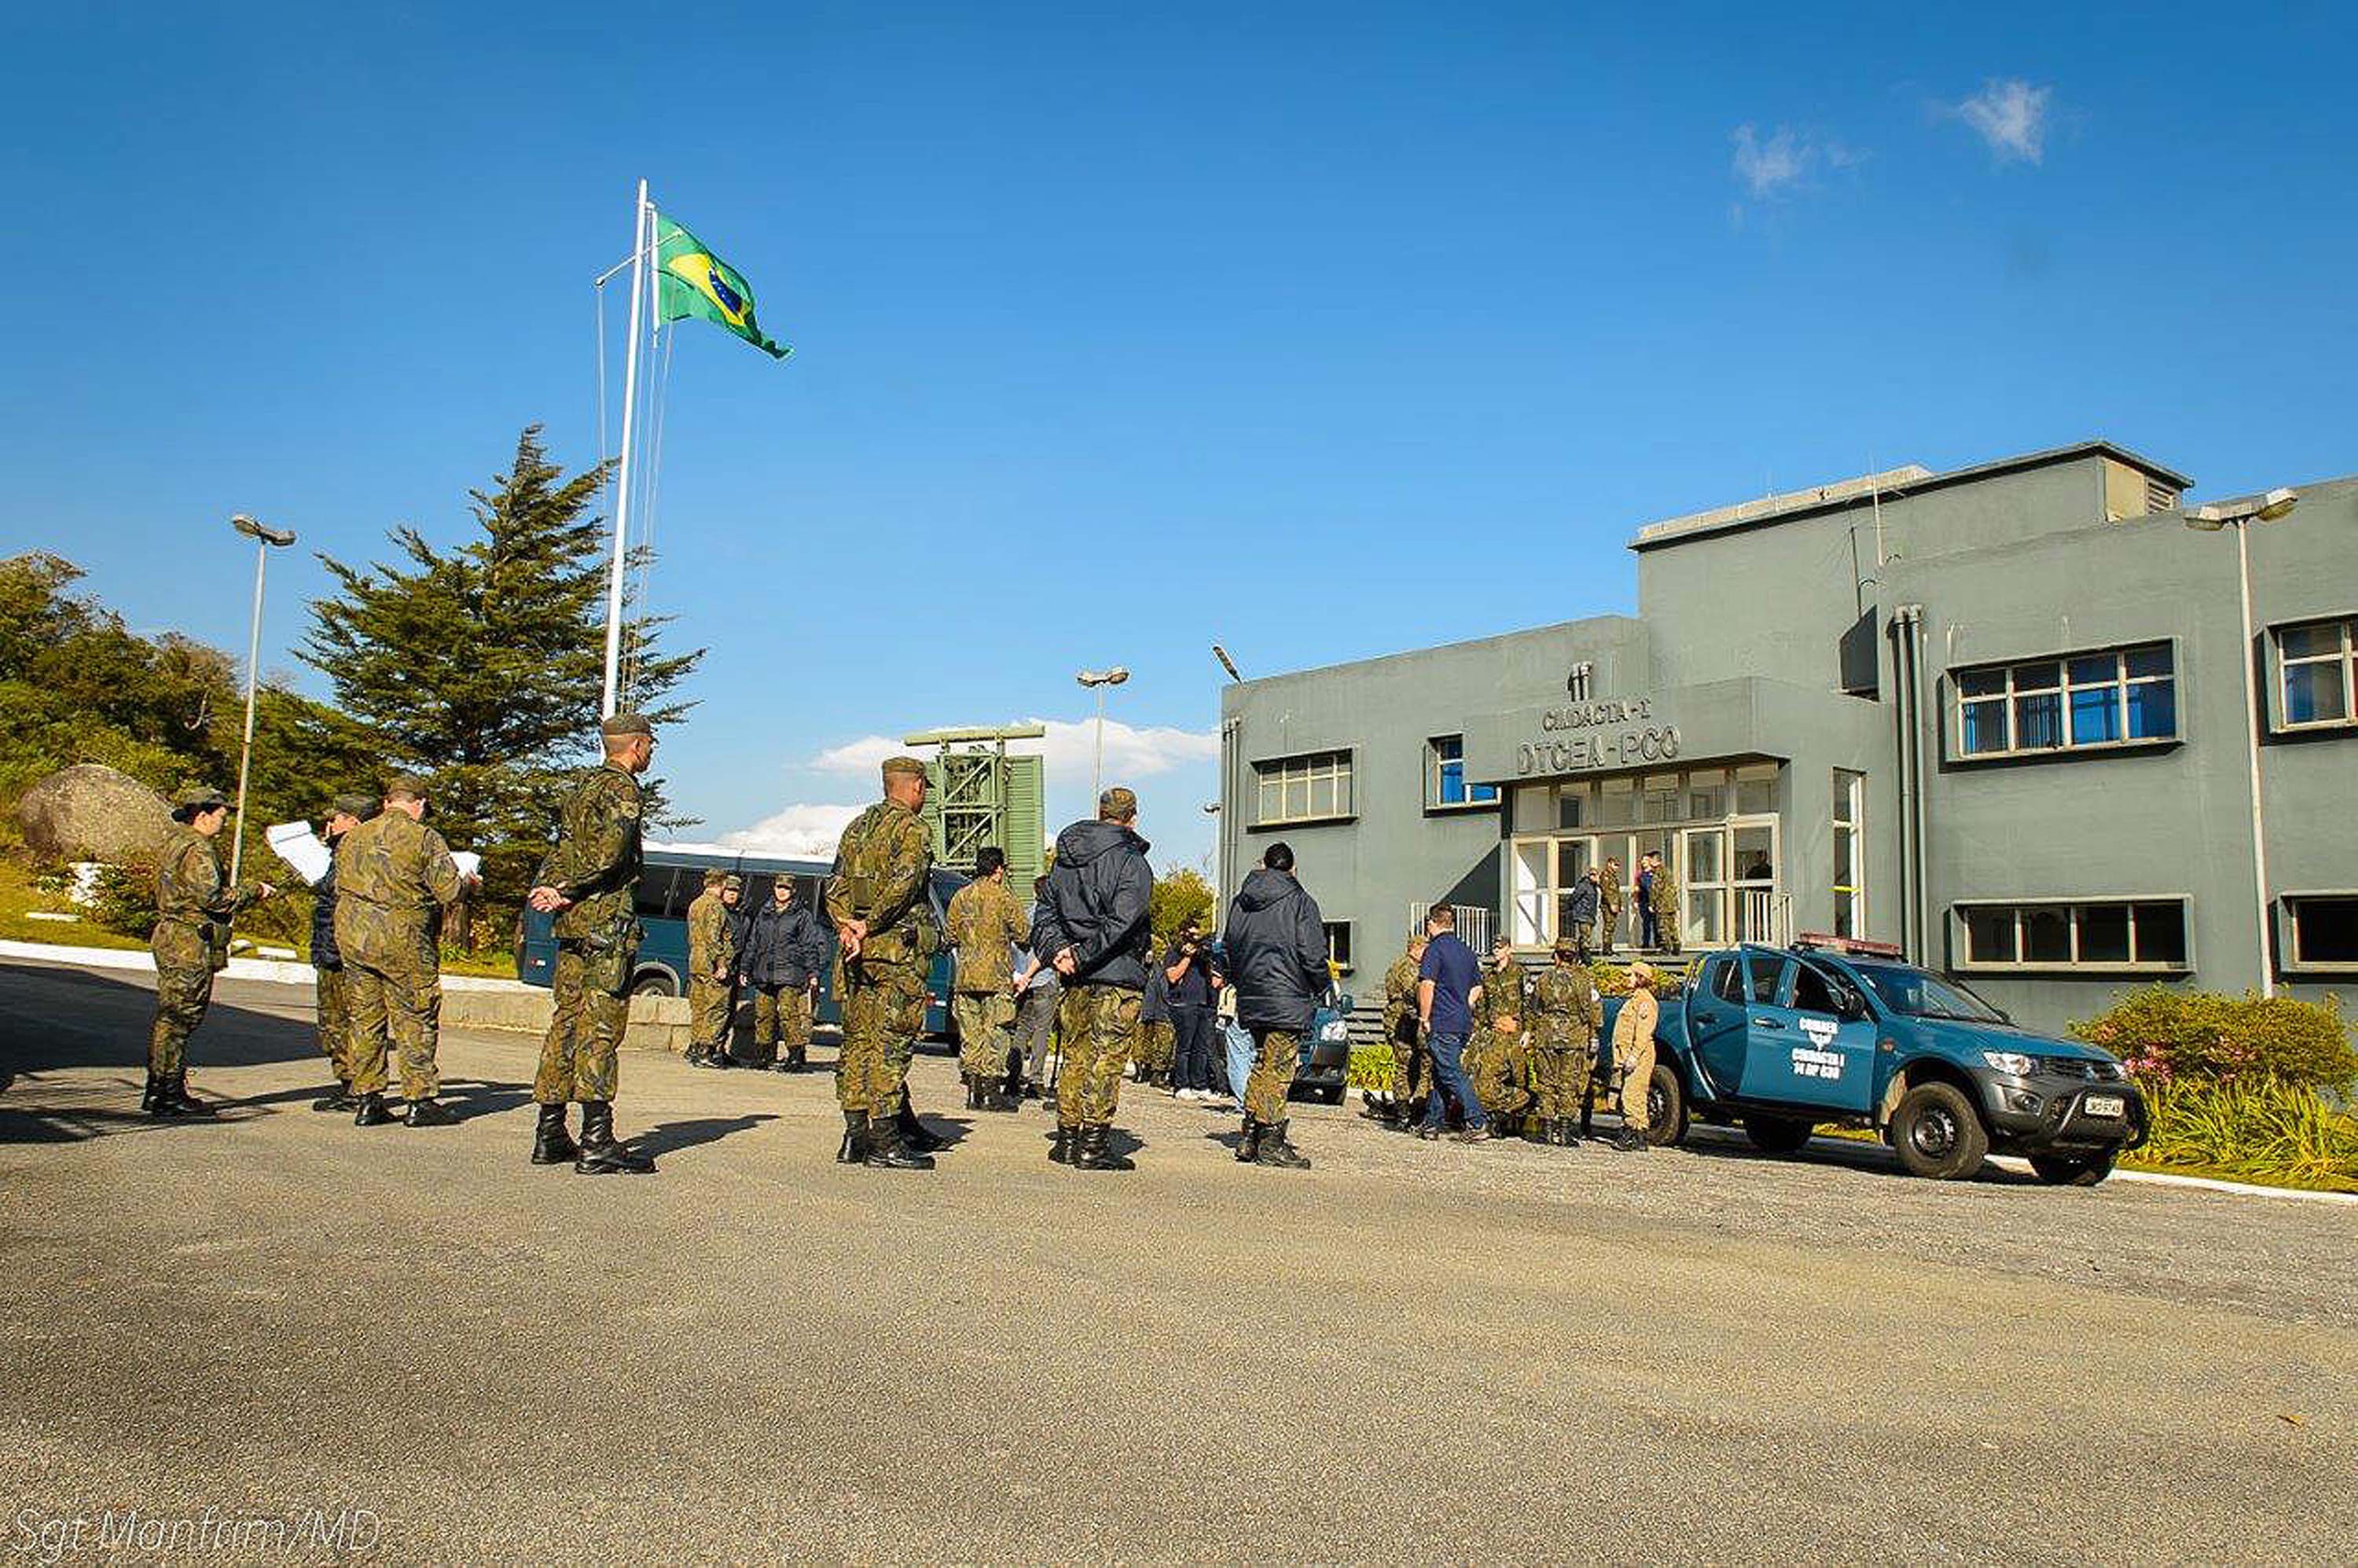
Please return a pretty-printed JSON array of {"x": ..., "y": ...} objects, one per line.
[
  {"x": 1754, "y": 876},
  {"x": 1702, "y": 887}
]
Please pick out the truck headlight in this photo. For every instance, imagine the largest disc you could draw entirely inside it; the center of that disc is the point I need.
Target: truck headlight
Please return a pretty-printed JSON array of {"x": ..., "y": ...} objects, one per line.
[{"x": 2015, "y": 1062}]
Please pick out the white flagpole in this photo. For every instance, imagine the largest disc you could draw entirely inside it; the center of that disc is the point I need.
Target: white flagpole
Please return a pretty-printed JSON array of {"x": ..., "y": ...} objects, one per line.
[{"x": 641, "y": 233}]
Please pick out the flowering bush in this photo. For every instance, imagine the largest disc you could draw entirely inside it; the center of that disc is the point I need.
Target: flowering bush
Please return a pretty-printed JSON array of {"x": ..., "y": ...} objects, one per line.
[{"x": 2164, "y": 1036}]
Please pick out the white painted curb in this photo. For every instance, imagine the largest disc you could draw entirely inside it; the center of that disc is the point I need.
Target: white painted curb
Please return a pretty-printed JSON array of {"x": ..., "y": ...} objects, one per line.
[{"x": 277, "y": 970}]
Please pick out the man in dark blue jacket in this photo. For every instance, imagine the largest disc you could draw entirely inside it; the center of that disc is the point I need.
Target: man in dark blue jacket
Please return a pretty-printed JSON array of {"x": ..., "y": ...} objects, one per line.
[
  {"x": 344, "y": 814},
  {"x": 1094, "y": 928},
  {"x": 779, "y": 957},
  {"x": 1276, "y": 944}
]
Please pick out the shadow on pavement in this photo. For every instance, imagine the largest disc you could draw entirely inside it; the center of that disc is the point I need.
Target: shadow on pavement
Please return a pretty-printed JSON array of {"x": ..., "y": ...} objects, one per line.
[
  {"x": 671, "y": 1137},
  {"x": 1841, "y": 1153}
]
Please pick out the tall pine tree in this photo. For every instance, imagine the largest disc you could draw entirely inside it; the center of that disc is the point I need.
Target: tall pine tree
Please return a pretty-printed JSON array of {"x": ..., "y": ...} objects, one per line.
[{"x": 481, "y": 666}]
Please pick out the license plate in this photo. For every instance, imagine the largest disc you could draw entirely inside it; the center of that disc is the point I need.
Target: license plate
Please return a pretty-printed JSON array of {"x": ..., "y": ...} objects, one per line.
[{"x": 2105, "y": 1105}]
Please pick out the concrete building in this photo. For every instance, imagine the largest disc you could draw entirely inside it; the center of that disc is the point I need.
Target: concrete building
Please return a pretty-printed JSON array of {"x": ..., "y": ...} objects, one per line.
[{"x": 1998, "y": 716}]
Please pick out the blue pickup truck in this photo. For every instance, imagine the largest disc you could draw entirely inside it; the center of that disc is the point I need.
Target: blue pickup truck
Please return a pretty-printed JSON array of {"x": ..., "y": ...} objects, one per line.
[{"x": 1783, "y": 1039}]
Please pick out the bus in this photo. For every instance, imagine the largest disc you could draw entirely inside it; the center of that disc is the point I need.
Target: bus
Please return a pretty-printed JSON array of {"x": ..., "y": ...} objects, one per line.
[{"x": 674, "y": 876}]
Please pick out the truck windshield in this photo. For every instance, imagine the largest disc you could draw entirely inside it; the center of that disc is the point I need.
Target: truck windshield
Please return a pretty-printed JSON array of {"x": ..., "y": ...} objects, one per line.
[{"x": 1920, "y": 995}]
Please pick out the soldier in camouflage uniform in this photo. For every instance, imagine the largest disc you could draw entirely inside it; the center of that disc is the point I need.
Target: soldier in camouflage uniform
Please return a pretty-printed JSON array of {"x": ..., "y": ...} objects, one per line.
[
  {"x": 195, "y": 902},
  {"x": 1664, "y": 900},
  {"x": 394, "y": 878},
  {"x": 1401, "y": 1033},
  {"x": 1608, "y": 905},
  {"x": 345, "y": 812},
  {"x": 712, "y": 965},
  {"x": 1094, "y": 928},
  {"x": 1563, "y": 1018},
  {"x": 1497, "y": 1059},
  {"x": 986, "y": 925},
  {"x": 885, "y": 938},
  {"x": 587, "y": 882}
]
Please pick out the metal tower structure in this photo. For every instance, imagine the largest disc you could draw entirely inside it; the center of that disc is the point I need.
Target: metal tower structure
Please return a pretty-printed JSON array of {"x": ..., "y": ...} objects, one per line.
[{"x": 981, "y": 795}]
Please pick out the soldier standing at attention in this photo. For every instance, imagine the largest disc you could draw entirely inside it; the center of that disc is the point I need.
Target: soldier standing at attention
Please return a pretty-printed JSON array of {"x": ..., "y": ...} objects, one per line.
[
  {"x": 1665, "y": 899},
  {"x": 1564, "y": 1016},
  {"x": 986, "y": 925},
  {"x": 1276, "y": 945},
  {"x": 344, "y": 814},
  {"x": 1499, "y": 1058},
  {"x": 1094, "y": 928},
  {"x": 1633, "y": 1058},
  {"x": 1608, "y": 904},
  {"x": 587, "y": 882},
  {"x": 711, "y": 968},
  {"x": 1401, "y": 1031},
  {"x": 779, "y": 959},
  {"x": 195, "y": 901},
  {"x": 394, "y": 878},
  {"x": 884, "y": 936}
]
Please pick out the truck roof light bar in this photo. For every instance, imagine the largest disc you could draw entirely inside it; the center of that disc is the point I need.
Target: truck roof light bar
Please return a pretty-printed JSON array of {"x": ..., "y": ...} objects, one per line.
[{"x": 1852, "y": 945}]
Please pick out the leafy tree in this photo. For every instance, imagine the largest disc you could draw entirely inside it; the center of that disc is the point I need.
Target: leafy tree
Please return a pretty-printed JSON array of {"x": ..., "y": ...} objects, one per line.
[
  {"x": 1177, "y": 896},
  {"x": 480, "y": 666}
]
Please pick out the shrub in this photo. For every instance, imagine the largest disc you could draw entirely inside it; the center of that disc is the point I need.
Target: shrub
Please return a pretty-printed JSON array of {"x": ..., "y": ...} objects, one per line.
[
  {"x": 1370, "y": 1068},
  {"x": 2164, "y": 1036},
  {"x": 123, "y": 898},
  {"x": 2258, "y": 1127}
]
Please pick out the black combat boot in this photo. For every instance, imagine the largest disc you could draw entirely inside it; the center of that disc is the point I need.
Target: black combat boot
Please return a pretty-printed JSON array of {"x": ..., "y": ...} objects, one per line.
[
  {"x": 695, "y": 1056},
  {"x": 855, "y": 1139},
  {"x": 794, "y": 1062},
  {"x": 341, "y": 1097},
  {"x": 152, "y": 1102},
  {"x": 1014, "y": 1088},
  {"x": 176, "y": 1090},
  {"x": 1276, "y": 1151},
  {"x": 429, "y": 1112},
  {"x": 973, "y": 1091},
  {"x": 370, "y": 1110},
  {"x": 887, "y": 1150},
  {"x": 1249, "y": 1145},
  {"x": 1067, "y": 1146},
  {"x": 1630, "y": 1141},
  {"x": 551, "y": 1144},
  {"x": 912, "y": 1133},
  {"x": 1096, "y": 1151},
  {"x": 601, "y": 1154}
]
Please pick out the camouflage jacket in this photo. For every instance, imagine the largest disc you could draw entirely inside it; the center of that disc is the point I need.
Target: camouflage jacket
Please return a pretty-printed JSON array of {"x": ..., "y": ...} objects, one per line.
[
  {"x": 596, "y": 860},
  {"x": 1663, "y": 897},
  {"x": 983, "y": 920},
  {"x": 880, "y": 877},
  {"x": 1502, "y": 995},
  {"x": 712, "y": 936},
  {"x": 1609, "y": 894},
  {"x": 1564, "y": 1013},
  {"x": 195, "y": 901},
  {"x": 1399, "y": 997},
  {"x": 392, "y": 877}
]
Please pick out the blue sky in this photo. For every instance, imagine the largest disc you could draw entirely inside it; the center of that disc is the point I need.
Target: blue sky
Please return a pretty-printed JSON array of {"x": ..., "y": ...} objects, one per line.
[{"x": 1320, "y": 331}]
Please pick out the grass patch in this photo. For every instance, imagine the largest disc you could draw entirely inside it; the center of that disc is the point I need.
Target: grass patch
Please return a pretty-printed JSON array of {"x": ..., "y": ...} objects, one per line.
[{"x": 21, "y": 897}]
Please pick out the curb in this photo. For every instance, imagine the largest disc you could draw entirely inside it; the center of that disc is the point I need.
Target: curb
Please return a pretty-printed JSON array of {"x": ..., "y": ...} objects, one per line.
[{"x": 279, "y": 970}]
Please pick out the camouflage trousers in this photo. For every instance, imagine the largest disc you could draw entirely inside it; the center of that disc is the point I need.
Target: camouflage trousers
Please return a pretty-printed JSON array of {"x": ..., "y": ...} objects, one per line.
[
  {"x": 1276, "y": 1053},
  {"x": 711, "y": 1008},
  {"x": 883, "y": 1013},
  {"x": 1636, "y": 1077},
  {"x": 1666, "y": 929},
  {"x": 986, "y": 1032},
  {"x": 1612, "y": 919},
  {"x": 1158, "y": 1047},
  {"x": 1561, "y": 1073},
  {"x": 584, "y": 1032},
  {"x": 404, "y": 1004},
  {"x": 1411, "y": 1067},
  {"x": 1097, "y": 1030},
  {"x": 182, "y": 994},
  {"x": 782, "y": 1016},
  {"x": 1496, "y": 1065},
  {"x": 335, "y": 1018}
]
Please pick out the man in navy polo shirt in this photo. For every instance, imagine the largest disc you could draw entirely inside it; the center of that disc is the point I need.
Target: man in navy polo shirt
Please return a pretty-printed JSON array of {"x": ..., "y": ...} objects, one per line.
[{"x": 1449, "y": 981}]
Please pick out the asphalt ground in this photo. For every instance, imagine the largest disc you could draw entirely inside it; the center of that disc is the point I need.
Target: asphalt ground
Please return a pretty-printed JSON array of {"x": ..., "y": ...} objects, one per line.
[{"x": 1410, "y": 1352}]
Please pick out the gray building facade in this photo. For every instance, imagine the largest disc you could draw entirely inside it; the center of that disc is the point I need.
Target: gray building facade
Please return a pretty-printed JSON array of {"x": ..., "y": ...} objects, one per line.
[{"x": 1997, "y": 716}]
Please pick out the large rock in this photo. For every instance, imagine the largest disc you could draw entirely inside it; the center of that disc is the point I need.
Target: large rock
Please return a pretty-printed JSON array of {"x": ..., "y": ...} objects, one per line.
[{"x": 91, "y": 811}]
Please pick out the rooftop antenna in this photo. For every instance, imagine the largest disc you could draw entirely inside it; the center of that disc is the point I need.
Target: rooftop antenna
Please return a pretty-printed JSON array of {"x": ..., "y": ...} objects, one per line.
[{"x": 1875, "y": 500}]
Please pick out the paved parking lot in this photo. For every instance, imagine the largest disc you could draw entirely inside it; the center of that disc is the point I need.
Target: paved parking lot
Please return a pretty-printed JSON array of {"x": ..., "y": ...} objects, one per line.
[{"x": 1411, "y": 1351}]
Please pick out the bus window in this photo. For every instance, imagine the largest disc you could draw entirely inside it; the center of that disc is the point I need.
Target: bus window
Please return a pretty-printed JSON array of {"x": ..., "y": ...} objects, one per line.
[{"x": 654, "y": 889}]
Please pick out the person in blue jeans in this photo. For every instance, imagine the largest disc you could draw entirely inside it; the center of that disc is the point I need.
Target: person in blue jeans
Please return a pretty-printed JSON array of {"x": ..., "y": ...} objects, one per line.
[{"x": 1449, "y": 981}]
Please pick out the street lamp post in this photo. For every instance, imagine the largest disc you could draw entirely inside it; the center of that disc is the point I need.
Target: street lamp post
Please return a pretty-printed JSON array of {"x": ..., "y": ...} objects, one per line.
[
  {"x": 2240, "y": 515},
  {"x": 264, "y": 540},
  {"x": 1100, "y": 679}
]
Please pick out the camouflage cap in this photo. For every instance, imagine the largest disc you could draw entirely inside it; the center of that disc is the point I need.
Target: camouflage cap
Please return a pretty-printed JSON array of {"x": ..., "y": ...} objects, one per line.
[
  {"x": 626, "y": 724},
  {"x": 1118, "y": 803},
  {"x": 351, "y": 803},
  {"x": 410, "y": 786},
  {"x": 714, "y": 876},
  {"x": 1567, "y": 947},
  {"x": 732, "y": 885},
  {"x": 903, "y": 765},
  {"x": 197, "y": 797}
]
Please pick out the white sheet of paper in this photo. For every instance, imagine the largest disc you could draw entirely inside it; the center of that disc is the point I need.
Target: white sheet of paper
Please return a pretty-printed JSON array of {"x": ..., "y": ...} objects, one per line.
[
  {"x": 295, "y": 843},
  {"x": 471, "y": 864}
]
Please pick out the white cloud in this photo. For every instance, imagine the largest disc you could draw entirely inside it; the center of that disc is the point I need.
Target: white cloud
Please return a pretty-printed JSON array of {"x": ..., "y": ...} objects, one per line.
[
  {"x": 1131, "y": 752},
  {"x": 797, "y": 832},
  {"x": 1770, "y": 169},
  {"x": 2011, "y": 116}
]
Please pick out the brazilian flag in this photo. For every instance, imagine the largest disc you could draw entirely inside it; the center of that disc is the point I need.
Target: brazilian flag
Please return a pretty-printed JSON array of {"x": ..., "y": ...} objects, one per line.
[{"x": 695, "y": 282}]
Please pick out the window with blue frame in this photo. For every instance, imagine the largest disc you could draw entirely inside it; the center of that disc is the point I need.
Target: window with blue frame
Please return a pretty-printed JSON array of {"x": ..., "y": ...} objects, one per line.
[
  {"x": 2118, "y": 696},
  {"x": 1444, "y": 775}
]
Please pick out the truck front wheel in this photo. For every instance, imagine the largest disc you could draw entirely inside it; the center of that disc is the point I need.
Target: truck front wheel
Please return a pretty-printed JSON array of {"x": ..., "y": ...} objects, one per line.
[
  {"x": 1666, "y": 1108},
  {"x": 1937, "y": 1133},
  {"x": 2060, "y": 1171}
]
